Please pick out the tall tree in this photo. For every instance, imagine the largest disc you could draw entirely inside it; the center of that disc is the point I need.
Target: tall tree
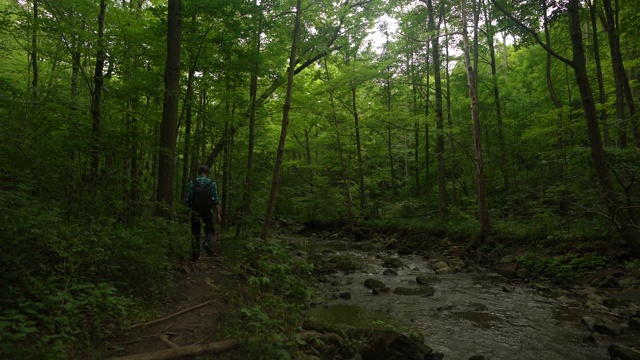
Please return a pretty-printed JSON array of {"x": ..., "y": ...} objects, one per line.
[
  {"x": 169, "y": 124},
  {"x": 437, "y": 75},
  {"x": 34, "y": 52},
  {"x": 621, "y": 216},
  {"x": 275, "y": 181},
  {"x": 490, "y": 32},
  {"x": 96, "y": 98},
  {"x": 483, "y": 209}
]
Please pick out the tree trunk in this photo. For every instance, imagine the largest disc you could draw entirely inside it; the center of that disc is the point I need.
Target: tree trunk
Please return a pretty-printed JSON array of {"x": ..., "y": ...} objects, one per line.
[
  {"x": 427, "y": 180},
  {"x": 343, "y": 166},
  {"x": 275, "y": 181},
  {"x": 168, "y": 127},
  {"x": 34, "y": 53},
  {"x": 96, "y": 97},
  {"x": 496, "y": 100},
  {"x": 454, "y": 195},
  {"x": 356, "y": 121},
  {"x": 483, "y": 210},
  {"x": 629, "y": 231},
  {"x": 253, "y": 92},
  {"x": 619, "y": 75},
  {"x": 442, "y": 175},
  {"x": 596, "y": 56}
]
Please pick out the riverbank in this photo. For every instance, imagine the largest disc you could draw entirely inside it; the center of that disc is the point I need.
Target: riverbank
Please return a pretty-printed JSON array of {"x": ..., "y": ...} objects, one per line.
[{"x": 599, "y": 300}]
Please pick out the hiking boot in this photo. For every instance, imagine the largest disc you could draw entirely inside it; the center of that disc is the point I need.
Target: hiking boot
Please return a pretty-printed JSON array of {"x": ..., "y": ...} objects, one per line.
[
  {"x": 195, "y": 256},
  {"x": 208, "y": 249}
]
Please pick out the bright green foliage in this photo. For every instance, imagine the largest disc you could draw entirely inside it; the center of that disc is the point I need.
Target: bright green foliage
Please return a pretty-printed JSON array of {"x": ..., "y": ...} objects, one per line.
[
  {"x": 563, "y": 267},
  {"x": 279, "y": 281}
]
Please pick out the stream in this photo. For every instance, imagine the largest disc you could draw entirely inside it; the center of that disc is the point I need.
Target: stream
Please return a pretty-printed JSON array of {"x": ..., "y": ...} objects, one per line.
[{"x": 473, "y": 313}]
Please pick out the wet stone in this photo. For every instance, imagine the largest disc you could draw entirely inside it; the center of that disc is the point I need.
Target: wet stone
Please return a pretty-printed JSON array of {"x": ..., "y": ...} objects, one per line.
[
  {"x": 478, "y": 357},
  {"x": 457, "y": 264},
  {"x": 389, "y": 272},
  {"x": 508, "y": 259},
  {"x": 393, "y": 263},
  {"x": 424, "y": 291},
  {"x": 345, "y": 295},
  {"x": 523, "y": 273},
  {"x": 590, "y": 340},
  {"x": 440, "y": 265},
  {"x": 424, "y": 279},
  {"x": 405, "y": 251},
  {"x": 378, "y": 291},
  {"x": 630, "y": 295},
  {"x": 588, "y": 322},
  {"x": 387, "y": 345},
  {"x": 346, "y": 265},
  {"x": 607, "y": 327},
  {"x": 477, "y": 307},
  {"x": 374, "y": 284},
  {"x": 444, "y": 271},
  {"x": 619, "y": 352},
  {"x": 508, "y": 270}
]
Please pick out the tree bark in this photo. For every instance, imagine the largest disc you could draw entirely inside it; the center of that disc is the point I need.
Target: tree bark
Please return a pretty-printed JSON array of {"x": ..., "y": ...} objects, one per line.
[
  {"x": 483, "y": 210},
  {"x": 356, "y": 121},
  {"x": 168, "y": 126},
  {"x": 596, "y": 56},
  {"x": 96, "y": 97},
  {"x": 34, "y": 53},
  {"x": 275, "y": 181},
  {"x": 629, "y": 231},
  {"x": 343, "y": 167},
  {"x": 454, "y": 194},
  {"x": 253, "y": 92},
  {"x": 442, "y": 175},
  {"x": 619, "y": 75},
  {"x": 496, "y": 100}
]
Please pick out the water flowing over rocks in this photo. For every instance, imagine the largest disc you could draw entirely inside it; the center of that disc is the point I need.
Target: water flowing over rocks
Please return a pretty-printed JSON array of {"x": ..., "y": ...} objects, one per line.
[{"x": 498, "y": 312}]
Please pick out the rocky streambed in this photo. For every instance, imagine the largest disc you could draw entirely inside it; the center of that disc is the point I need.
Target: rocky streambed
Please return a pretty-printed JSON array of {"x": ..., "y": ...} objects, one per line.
[{"x": 464, "y": 312}]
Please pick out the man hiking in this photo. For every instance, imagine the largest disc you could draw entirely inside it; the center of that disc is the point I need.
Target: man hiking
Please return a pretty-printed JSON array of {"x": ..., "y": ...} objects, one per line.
[{"x": 201, "y": 198}]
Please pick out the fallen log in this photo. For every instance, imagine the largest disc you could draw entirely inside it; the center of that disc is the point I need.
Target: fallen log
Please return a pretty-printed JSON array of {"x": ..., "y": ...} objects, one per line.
[
  {"x": 165, "y": 339},
  {"x": 169, "y": 317},
  {"x": 185, "y": 351}
]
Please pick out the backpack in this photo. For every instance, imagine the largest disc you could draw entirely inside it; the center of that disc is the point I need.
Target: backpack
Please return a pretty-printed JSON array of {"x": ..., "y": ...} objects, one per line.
[{"x": 201, "y": 201}]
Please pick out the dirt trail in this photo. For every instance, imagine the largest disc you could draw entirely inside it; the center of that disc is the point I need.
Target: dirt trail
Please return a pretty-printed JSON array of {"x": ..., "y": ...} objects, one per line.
[{"x": 197, "y": 283}]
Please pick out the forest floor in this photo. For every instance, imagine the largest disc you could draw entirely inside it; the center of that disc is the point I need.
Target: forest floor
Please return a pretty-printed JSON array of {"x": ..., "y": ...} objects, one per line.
[
  {"x": 207, "y": 294},
  {"x": 194, "y": 313}
]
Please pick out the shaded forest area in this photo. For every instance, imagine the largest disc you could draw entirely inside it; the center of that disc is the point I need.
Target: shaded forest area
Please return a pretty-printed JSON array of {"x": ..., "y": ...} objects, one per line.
[{"x": 490, "y": 120}]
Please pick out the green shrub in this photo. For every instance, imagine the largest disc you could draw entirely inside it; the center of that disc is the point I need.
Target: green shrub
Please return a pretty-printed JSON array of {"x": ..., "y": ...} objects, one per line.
[
  {"x": 563, "y": 267},
  {"x": 67, "y": 281},
  {"x": 278, "y": 280}
]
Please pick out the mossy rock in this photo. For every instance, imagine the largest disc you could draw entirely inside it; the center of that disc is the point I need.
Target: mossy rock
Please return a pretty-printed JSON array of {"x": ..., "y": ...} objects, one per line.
[
  {"x": 374, "y": 284},
  {"x": 423, "y": 290}
]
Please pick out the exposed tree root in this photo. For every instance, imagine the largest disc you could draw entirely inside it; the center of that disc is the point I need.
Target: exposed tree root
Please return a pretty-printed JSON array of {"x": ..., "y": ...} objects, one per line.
[
  {"x": 170, "y": 316},
  {"x": 185, "y": 351}
]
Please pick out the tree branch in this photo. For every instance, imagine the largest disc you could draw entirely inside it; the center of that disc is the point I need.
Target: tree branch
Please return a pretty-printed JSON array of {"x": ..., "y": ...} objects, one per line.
[{"x": 534, "y": 34}]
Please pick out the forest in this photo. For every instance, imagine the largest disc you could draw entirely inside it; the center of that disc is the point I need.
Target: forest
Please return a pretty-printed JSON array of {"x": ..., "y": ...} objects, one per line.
[{"x": 471, "y": 125}]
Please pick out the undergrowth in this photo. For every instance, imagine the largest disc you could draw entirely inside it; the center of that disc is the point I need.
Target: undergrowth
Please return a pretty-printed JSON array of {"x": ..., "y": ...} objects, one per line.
[
  {"x": 278, "y": 279},
  {"x": 69, "y": 281}
]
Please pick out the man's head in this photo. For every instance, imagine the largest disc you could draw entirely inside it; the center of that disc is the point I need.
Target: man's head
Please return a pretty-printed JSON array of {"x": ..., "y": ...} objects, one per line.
[{"x": 203, "y": 170}]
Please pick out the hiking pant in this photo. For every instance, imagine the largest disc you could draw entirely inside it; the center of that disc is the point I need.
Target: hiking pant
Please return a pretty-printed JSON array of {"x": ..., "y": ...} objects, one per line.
[{"x": 197, "y": 220}]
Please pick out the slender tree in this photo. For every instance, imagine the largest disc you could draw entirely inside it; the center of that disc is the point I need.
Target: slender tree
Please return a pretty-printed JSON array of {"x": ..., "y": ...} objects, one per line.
[
  {"x": 483, "y": 209},
  {"x": 275, "y": 182},
  {"x": 437, "y": 75},
  {"x": 96, "y": 97},
  {"x": 169, "y": 124}
]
